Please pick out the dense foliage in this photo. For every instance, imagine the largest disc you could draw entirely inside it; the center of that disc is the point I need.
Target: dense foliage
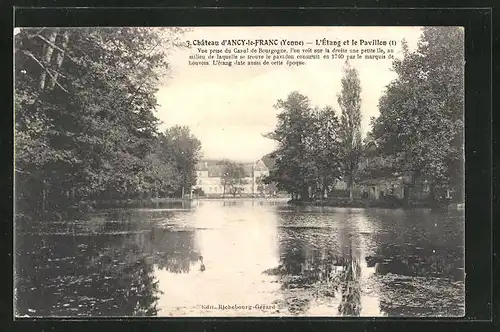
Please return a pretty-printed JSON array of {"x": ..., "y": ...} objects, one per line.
[
  {"x": 263, "y": 188},
  {"x": 84, "y": 116},
  {"x": 172, "y": 164},
  {"x": 420, "y": 127},
  {"x": 308, "y": 156},
  {"x": 417, "y": 139},
  {"x": 183, "y": 149}
]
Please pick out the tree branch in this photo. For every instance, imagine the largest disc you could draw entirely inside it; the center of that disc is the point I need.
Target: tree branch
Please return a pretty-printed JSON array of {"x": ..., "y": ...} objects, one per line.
[
  {"x": 57, "y": 47},
  {"x": 46, "y": 70}
]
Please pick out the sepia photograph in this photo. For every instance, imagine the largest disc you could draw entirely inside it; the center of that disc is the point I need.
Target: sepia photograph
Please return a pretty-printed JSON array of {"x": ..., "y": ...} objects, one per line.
[{"x": 239, "y": 172}]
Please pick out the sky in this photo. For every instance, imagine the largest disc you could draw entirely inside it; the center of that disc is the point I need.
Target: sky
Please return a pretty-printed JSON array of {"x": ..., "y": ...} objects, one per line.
[{"x": 229, "y": 108}]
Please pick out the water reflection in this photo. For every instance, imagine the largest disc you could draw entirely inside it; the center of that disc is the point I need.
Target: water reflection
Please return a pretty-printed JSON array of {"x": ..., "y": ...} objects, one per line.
[
  {"x": 351, "y": 289},
  {"x": 173, "y": 251},
  {"x": 84, "y": 276},
  {"x": 297, "y": 261},
  {"x": 418, "y": 258},
  {"x": 237, "y": 241},
  {"x": 324, "y": 274}
]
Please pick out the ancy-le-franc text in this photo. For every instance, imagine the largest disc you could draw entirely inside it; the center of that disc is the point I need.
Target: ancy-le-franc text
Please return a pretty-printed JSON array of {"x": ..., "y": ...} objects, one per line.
[{"x": 245, "y": 42}]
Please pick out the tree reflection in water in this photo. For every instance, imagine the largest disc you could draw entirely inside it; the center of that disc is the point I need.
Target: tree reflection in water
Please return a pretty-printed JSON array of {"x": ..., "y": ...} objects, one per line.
[
  {"x": 416, "y": 262},
  {"x": 128, "y": 276},
  {"x": 99, "y": 268},
  {"x": 107, "y": 267},
  {"x": 420, "y": 266},
  {"x": 351, "y": 288},
  {"x": 320, "y": 272},
  {"x": 98, "y": 275},
  {"x": 173, "y": 251}
]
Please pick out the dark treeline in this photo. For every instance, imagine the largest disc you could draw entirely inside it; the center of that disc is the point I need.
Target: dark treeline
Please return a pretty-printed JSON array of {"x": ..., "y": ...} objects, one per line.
[
  {"x": 309, "y": 147},
  {"x": 417, "y": 137},
  {"x": 420, "y": 129},
  {"x": 85, "y": 127}
]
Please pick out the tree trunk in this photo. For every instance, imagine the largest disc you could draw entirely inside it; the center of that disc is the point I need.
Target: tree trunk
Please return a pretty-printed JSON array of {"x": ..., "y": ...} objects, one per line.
[
  {"x": 44, "y": 195},
  {"x": 433, "y": 194},
  {"x": 349, "y": 187},
  {"x": 47, "y": 56},
  {"x": 305, "y": 193},
  {"x": 406, "y": 193},
  {"x": 156, "y": 194},
  {"x": 59, "y": 58}
]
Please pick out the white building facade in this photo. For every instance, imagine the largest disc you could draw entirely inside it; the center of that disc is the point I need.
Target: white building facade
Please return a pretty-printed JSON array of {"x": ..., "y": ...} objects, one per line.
[{"x": 209, "y": 177}]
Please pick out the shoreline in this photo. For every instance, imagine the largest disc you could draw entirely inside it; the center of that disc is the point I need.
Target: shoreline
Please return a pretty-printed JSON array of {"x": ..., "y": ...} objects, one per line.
[
  {"x": 92, "y": 206},
  {"x": 242, "y": 198},
  {"x": 381, "y": 204}
]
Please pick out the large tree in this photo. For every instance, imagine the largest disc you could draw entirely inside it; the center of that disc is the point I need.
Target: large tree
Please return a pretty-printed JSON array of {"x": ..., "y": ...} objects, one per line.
[
  {"x": 420, "y": 126},
  {"x": 308, "y": 155},
  {"x": 291, "y": 170},
  {"x": 232, "y": 178},
  {"x": 161, "y": 174},
  {"x": 84, "y": 111},
  {"x": 324, "y": 150},
  {"x": 185, "y": 148},
  {"x": 349, "y": 100}
]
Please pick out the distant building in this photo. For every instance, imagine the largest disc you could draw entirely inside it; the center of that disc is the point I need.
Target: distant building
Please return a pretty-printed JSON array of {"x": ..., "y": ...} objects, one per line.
[
  {"x": 209, "y": 177},
  {"x": 380, "y": 180}
]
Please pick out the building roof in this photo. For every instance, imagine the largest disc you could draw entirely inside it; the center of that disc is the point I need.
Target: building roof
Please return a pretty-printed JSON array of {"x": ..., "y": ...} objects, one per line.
[
  {"x": 269, "y": 160},
  {"x": 260, "y": 166},
  {"x": 216, "y": 167},
  {"x": 205, "y": 165}
]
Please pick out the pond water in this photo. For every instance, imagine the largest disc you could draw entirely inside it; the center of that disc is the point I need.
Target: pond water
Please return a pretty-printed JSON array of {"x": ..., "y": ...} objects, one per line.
[{"x": 259, "y": 258}]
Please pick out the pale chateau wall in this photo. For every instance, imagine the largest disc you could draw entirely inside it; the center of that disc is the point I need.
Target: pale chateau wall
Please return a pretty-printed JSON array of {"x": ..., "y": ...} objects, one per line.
[{"x": 211, "y": 185}]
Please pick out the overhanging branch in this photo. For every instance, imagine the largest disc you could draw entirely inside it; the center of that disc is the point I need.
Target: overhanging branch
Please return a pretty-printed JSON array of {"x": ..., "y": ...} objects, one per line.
[{"x": 45, "y": 69}]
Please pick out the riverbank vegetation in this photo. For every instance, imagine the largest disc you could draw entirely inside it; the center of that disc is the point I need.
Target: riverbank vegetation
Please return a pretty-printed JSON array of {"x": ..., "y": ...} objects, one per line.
[
  {"x": 417, "y": 140},
  {"x": 85, "y": 127}
]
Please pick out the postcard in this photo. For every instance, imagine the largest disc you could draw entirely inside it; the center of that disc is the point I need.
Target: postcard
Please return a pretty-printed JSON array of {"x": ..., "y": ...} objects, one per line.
[{"x": 239, "y": 172}]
